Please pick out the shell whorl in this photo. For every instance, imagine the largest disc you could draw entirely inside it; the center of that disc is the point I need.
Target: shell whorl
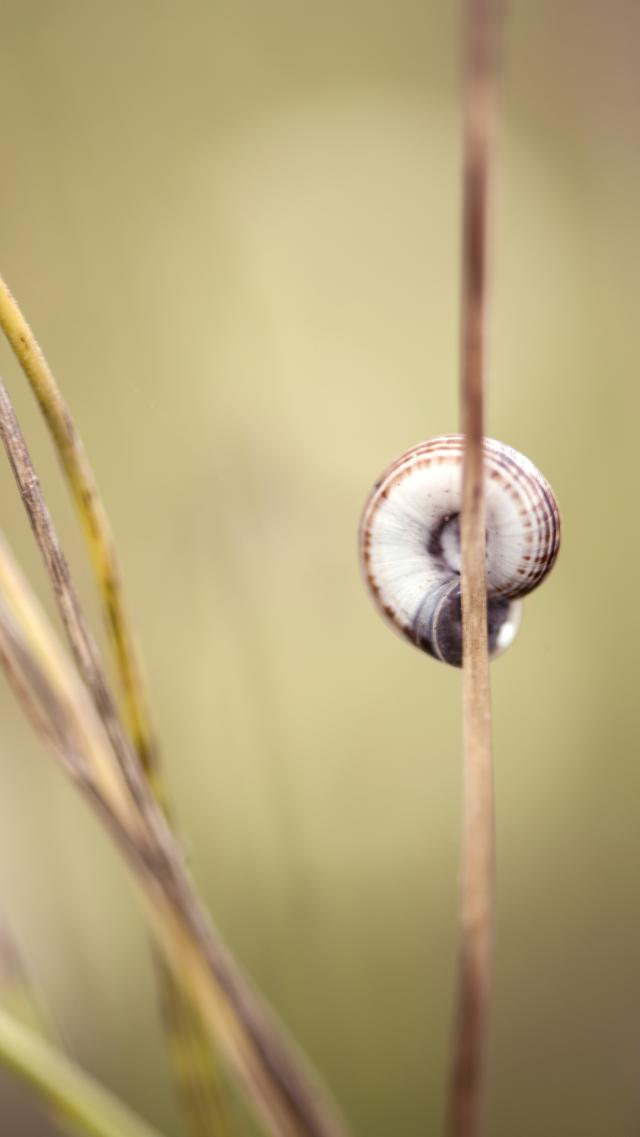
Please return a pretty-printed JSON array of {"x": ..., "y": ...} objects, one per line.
[{"x": 410, "y": 542}]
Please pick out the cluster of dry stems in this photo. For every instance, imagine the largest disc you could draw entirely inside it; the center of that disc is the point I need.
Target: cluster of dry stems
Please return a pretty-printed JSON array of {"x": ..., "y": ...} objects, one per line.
[{"x": 209, "y": 1005}]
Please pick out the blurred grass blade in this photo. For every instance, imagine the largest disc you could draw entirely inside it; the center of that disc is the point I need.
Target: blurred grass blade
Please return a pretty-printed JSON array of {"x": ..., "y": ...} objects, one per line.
[
  {"x": 81, "y": 641},
  {"x": 16, "y": 994},
  {"x": 272, "y": 1073},
  {"x": 87, "y": 1106},
  {"x": 195, "y": 1067},
  {"x": 197, "y": 1073},
  {"x": 94, "y": 522},
  {"x": 54, "y": 697},
  {"x": 18, "y": 999}
]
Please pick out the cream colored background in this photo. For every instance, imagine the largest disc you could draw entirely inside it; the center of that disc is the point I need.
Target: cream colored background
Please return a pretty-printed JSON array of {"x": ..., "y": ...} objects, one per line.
[{"x": 235, "y": 228}]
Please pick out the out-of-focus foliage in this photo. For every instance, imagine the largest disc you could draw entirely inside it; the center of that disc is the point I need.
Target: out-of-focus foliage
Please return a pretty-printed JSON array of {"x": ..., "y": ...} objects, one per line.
[{"x": 235, "y": 228}]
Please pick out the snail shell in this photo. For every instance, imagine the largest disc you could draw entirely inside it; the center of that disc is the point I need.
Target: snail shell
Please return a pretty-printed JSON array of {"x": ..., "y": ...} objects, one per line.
[{"x": 410, "y": 542}]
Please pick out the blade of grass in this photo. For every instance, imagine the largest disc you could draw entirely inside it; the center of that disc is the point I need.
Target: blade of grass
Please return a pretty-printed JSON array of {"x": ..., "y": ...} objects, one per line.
[
  {"x": 270, "y": 1070},
  {"x": 16, "y": 994},
  {"x": 195, "y": 1067},
  {"x": 95, "y": 523},
  {"x": 480, "y": 30},
  {"x": 81, "y": 641},
  {"x": 19, "y": 1000},
  {"x": 37, "y": 666},
  {"x": 197, "y": 1076},
  {"x": 81, "y": 1101}
]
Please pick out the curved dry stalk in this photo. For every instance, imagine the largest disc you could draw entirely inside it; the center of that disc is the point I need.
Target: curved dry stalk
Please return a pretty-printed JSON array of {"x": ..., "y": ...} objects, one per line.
[
  {"x": 198, "y": 1082},
  {"x": 270, "y": 1070},
  {"x": 480, "y": 30},
  {"x": 80, "y": 639},
  {"x": 197, "y": 1076},
  {"x": 55, "y": 699},
  {"x": 197, "y": 1073},
  {"x": 95, "y": 523}
]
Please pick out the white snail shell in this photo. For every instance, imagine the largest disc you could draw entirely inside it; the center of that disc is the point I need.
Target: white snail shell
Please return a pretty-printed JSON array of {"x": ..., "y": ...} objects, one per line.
[{"x": 410, "y": 542}]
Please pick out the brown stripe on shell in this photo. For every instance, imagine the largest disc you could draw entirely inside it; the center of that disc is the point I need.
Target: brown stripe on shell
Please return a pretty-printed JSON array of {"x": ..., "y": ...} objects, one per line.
[
  {"x": 531, "y": 494},
  {"x": 545, "y": 510}
]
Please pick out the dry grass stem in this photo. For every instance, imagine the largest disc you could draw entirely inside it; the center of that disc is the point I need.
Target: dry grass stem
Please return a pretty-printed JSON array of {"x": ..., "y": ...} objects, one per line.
[
  {"x": 80, "y": 639},
  {"x": 94, "y": 521},
  {"x": 194, "y": 1063},
  {"x": 480, "y": 32},
  {"x": 269, "y": 1069}
]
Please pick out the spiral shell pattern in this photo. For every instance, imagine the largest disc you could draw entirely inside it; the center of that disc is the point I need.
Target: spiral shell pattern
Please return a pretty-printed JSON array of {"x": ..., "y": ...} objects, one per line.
[{"x": 410, "y": 542}]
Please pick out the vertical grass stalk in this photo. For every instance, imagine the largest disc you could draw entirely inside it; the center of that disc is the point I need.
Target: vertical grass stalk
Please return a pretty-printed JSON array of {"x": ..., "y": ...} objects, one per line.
[{"x": 479, "y": 44}]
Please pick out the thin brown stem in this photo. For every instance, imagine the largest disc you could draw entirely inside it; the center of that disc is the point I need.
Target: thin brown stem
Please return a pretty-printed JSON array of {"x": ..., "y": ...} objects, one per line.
[
  {"x": 80, "y": 639},
  {"x": 480, "y": 33},
  {"x": 93, "y": 517}
]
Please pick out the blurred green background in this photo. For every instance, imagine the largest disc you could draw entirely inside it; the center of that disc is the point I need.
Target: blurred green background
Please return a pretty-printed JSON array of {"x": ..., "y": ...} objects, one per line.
[{"x": 235, "y": 229}]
